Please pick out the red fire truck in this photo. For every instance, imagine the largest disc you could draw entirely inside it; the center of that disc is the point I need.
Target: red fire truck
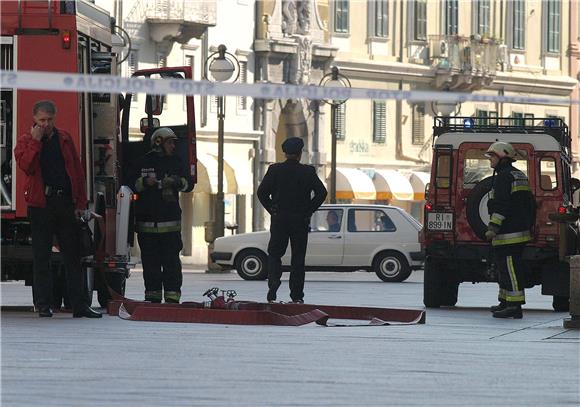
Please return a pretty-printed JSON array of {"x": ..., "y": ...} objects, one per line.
[{"x": 76, "y": 37}]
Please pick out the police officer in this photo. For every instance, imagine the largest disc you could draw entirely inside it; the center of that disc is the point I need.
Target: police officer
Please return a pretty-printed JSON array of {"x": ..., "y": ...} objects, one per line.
[
  {"x": 159, "y": 178},
  {"x": 286, "y": 193},
  {"x": 511, "y": 208}
]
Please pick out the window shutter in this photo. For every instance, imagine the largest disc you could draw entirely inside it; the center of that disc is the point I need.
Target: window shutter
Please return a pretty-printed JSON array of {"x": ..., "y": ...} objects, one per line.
[
  {"x": 243, "y": 100},
  {"x": 418, "y": 136},
  {"x": 379, "y": 121}
]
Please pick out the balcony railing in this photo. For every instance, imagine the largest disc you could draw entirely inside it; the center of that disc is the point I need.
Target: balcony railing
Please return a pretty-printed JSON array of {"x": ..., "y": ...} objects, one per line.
[
  {"x": 473, "y": 58},
  {"x": 188, "y": 11}
]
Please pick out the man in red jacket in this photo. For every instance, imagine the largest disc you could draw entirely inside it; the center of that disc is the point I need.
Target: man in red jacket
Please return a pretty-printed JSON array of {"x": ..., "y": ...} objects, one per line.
[{"x": 56, "y": 195}]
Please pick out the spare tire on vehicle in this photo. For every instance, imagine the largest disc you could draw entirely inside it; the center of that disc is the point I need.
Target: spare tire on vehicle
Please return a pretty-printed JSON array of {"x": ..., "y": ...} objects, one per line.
[{"x": 476, "y": 208}]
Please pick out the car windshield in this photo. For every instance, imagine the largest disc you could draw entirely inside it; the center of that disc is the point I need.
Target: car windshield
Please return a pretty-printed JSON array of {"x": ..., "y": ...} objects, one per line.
[{"x": 476, "y": 166}]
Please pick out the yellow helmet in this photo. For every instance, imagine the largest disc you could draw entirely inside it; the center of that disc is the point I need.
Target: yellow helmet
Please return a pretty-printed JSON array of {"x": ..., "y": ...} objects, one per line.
[
  {"x": 502, "y": 149},
  {"x": 160, "y": 136}
]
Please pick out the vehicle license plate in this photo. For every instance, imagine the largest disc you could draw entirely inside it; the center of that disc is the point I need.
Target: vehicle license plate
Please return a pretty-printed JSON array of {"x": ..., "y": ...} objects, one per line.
[{"x": 439, "y": 221}]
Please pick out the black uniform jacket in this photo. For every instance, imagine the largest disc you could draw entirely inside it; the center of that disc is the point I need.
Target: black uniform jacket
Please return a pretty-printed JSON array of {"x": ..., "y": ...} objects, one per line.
[
  {"x": 151, "y": 206},
  {"x": 512, "y": 206},
  {"x": 287, "y": 189}
]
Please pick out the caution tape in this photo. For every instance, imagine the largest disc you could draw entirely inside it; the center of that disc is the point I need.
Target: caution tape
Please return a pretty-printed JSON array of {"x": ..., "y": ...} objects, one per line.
[{"x": 32, "y": 80}]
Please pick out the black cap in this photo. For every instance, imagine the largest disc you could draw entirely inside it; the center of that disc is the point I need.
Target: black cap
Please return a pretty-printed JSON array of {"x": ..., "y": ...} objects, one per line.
[{"x": 293, "y": 145}]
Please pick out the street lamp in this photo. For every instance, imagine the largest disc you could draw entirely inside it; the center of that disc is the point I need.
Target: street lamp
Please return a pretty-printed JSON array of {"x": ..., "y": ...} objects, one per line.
[
  {"x": 334, "y": 79},
  {"x": 221, "y": 65}
]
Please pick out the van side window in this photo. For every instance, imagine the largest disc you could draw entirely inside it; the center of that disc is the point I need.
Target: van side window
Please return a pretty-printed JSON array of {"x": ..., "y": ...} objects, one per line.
[{"x": 548, "y": 178}]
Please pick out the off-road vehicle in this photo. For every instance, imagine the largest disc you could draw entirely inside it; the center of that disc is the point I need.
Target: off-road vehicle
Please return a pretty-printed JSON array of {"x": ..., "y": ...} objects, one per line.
[{"x": 456, "y": 214}]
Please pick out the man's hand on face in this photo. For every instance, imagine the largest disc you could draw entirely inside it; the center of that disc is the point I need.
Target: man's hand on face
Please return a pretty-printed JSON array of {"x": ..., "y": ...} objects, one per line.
[{"x": 37, "y": 132}]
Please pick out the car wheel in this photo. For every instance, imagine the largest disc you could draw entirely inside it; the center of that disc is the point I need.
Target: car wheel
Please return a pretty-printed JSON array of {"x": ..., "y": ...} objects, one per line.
[
  {"x": 251, "y": 264},
  {"x": 560, "y": 303},
  {"x": 438, "y": 289},
  {"x": 391, "y": 267}
]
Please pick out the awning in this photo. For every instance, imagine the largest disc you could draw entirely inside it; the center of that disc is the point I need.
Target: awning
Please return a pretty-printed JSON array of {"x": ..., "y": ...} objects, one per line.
[
  {"x": 391, "y": 184},
  {"x": 237, "y": 178},
  {"x": 207, "y": 176},
  {"x": 419, "y": 181},
  {"x": 240, "y": 174},
  {"x": 353, "y": 184}
]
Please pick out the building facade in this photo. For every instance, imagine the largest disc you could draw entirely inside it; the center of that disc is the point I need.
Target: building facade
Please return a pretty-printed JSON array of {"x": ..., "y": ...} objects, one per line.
[{"x": 492, "y": 47}]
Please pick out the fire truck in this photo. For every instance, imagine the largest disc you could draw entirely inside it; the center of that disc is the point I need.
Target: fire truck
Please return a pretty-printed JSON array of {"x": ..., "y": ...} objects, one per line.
[
  {"x": 77, "y": 37},
  {"x": 456, "y": 214}
]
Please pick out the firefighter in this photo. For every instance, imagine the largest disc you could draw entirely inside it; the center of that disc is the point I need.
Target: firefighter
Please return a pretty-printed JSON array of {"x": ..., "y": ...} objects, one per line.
[
  {"x": 511, "y": 209},
  {"x": 57, "y": 198},
  {"x": 286, "y": 193},
  {"x": 158, "y": 179}
]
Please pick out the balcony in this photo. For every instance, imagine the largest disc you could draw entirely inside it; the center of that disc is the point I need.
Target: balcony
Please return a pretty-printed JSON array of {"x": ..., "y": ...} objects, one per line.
[
  {"x": 463, "y": 63},
  {"x": 179, "y": 20}
]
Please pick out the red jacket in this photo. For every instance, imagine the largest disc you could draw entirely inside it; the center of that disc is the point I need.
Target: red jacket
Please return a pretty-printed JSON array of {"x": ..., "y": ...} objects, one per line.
[{"x": 27, "y": 154}]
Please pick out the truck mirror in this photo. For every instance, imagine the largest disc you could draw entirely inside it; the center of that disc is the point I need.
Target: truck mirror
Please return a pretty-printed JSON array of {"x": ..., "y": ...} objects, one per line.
[
  {"x": 154, "y": 104},
  {"x": 427, "y": 185},
  {"x": 144, "y": 124}
]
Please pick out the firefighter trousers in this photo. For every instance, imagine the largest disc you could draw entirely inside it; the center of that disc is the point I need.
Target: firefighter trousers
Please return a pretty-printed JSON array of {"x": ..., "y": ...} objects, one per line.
[
  {"x": 58, "y": 219},
  {"x": 511, "y": 274},
  {"x": 160, "y": 260},
  {"x": 291, "y": 228}
]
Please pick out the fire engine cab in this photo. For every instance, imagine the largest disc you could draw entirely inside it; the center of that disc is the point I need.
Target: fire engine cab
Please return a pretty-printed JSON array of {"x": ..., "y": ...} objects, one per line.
[
  {"x": 456, "y": 215},
  {"x": 76, "y": 37}
]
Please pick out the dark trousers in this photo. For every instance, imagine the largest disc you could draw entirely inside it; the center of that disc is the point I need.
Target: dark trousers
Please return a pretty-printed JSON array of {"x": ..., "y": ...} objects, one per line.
[
  {"x": 282, "y": 229},
  {"x": 160, "y": 259},
  {"x": 510, "y": 269},
  {"x": 56, "y": 219}
]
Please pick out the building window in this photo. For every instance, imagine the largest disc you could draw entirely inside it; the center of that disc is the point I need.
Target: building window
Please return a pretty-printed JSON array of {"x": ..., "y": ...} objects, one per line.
[
  {"x": 340, "y": 122},
  {"x": 517, "y": 119},
  {"x": 418, "y": 124},
  {"x": 482, "y": 14},
  {"x": 380, "y": 18},
  {"x": 341, "y": 16},
  {"x": 485, "y": 117},
  {"x": 553, "y": 16},
  {"x": 420, "y": 15},
  {"x": 518, "y": 24},
  {"x": 188, "y": 60},
  {"x": 379, "y": 121},
  {"x": 451, "y": 15},
  {"x": 133, "y": 66},
  {"x": 243, "y": 100}
]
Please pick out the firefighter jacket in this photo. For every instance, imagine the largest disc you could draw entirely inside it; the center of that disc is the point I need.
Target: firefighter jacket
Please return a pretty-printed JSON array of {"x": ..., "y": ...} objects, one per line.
[
  {"x": 287, "y": 189},
  {"x": 27, "y": 154},
  {"x": 511, "y": 206},
  {"x": 157, "y": 207}
]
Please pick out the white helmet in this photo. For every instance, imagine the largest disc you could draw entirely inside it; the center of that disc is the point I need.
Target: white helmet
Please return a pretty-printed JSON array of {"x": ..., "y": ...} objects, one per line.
[
  {"x": 502, "y": 149},
  {"x": 160, "y": 136}
]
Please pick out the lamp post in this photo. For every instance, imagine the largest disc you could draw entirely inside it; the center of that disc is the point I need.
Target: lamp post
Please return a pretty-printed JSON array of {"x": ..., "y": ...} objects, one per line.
[
  {"x": 220, "y": 67},
  {"x": 334, "y": 79}
]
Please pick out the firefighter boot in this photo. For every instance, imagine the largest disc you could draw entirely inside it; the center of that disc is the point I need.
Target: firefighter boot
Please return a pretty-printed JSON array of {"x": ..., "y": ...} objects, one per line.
[
  {"x": 154, "y": 296},
  {"x": 502, "y": 304},
  {"x": 510, "y": 311},
  {"x": 172, "y": 297}
]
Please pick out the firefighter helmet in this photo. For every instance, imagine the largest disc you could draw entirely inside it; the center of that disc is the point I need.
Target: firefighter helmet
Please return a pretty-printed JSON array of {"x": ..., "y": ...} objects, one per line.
[
  {"x": 160, "y": 136},
  {"x": 502, "y": 149}
]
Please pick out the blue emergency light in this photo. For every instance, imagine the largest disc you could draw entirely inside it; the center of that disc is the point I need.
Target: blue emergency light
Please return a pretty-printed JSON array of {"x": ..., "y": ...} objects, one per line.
[
  {"x": 549, "y": 122},
  {"x": 468, "y": 123}
]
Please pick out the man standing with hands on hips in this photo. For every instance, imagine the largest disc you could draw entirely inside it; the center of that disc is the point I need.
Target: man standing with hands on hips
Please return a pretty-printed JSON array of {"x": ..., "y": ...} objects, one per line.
[
  {"x": 291, "y": 192},
  {"x": 56, "y": 196}
]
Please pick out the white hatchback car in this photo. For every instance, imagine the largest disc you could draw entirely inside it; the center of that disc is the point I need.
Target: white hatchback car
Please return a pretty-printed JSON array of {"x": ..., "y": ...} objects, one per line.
[{"x": 378, "y": 238}]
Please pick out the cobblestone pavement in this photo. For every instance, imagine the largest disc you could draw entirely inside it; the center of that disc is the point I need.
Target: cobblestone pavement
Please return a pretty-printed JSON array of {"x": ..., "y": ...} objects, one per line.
[{"x": 460, "y": 357}]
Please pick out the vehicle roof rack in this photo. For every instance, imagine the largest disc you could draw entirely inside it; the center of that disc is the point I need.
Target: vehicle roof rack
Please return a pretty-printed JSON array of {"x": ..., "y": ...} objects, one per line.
[{"x": 552, "y": 126}]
